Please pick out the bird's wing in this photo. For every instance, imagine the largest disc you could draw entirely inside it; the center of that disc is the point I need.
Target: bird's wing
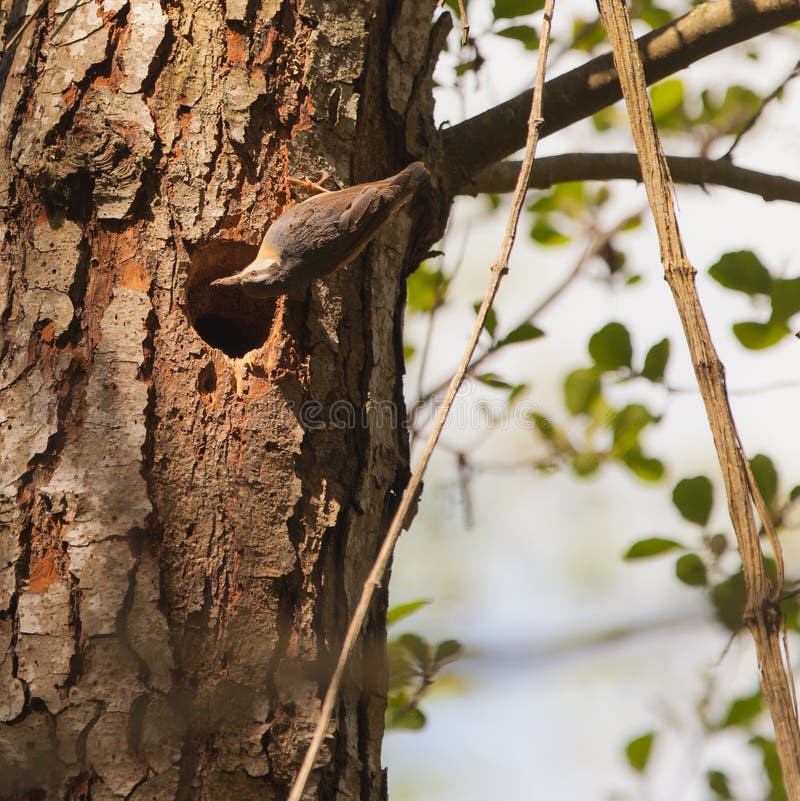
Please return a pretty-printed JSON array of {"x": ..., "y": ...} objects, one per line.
[
  {"x": 343, "y": 220},
  {"x": 374, "y": 201}
]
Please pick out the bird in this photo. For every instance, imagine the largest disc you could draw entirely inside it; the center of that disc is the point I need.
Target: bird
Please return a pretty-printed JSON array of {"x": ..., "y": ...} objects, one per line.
[{"x": 327, "y": 231}]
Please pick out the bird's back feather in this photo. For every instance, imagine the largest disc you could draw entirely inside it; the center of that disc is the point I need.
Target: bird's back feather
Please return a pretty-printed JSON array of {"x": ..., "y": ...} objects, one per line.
[{"x": 328, "y": 230}]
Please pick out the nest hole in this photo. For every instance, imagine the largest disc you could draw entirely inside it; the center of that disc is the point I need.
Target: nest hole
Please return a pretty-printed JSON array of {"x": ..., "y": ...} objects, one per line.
[{"x": 224, "y": 316}]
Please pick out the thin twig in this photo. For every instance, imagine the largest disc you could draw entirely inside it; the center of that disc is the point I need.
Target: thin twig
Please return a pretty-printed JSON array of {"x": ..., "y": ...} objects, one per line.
[
  {"x": 586, "y": 29},
  {"x": 462, "y": 12},
  {"x": 315, "y": 185},
  {"x": 764, "y": 103},
  {"x": 743, "y": 391},
  {"x": 464, "y": 22},
  {"x": 594, "y": 247},
  {"x": 762, "y": 613},
  {"x": 439, "y": 301},
  {"x": 375, "y": 577}
]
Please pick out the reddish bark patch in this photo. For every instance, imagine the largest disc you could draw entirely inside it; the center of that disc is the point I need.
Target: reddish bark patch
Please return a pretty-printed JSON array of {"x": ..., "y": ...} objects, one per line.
[
  {"x": 70, "y": 96},
  {"x": 238, "y": 48},
  {"x": 306, "y": 119},
  {"x": 265, "y": 54},
  {"x": 43, "y": 573},
  {"x": 121, "y": 254}
]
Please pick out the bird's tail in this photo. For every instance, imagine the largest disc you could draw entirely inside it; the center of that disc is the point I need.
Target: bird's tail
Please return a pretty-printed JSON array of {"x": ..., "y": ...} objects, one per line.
[{"x": 412, "y": 177}]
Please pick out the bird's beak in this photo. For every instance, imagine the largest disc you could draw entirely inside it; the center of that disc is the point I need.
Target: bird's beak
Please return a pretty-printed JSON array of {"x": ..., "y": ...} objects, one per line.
[{"x": 228, "y": 280}]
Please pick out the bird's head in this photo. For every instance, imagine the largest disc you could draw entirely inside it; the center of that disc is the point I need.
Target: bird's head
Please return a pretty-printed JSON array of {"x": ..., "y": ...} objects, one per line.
[{"x": 260, "y": 278}]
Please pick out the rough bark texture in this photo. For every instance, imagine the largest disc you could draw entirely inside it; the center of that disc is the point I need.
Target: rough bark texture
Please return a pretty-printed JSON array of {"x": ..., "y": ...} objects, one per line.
[{"x": 192, "y": 487}]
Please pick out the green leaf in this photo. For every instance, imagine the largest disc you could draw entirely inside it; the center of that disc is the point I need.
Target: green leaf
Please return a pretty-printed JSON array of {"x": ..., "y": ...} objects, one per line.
[
  {"x": 628, "y": 424},
  {"x": 652, "y": 546},
  {"x": 766, "y": 477},
  {"x": 418, "y": 647},
  {"x": 473, "y": 65},
  {"x": 718, "y": 544},
  {"x": 656, "y": 361},
  {"x": 586, "y": 463},
  {"x": 403, "y": 718},
  {"x": 493, "y": 380},
  {"x": 728, "y": 598},
  {"x": 644, "y": 467},
  {"x": 638, "y": 750},
  {"x": 492, "y": 200},
  {"x": 426, "y": 287},
  {"x": 654, "y": 16},
  {"x": 785, "y": 297},
  {"x": 525, "y": 34},
  {"x": 490, "y": 325},
  {"x": 791, "y": 610},
  {"x": 522, "y": 333},
  {"x": 545, "y": 202},
  {"x": 581, "y": 388},
  {"x": 606, "y": 118},
  {"x": 693, "y": 498},
  {"x": 732, "y": 112},
  {"x": 545, "y": 234},
  {"x": 447, "y": 651},
  {"x": 745, "y": 710},
  {"x": 718, "y": 783},
  {"x": 757, "y": 336},
  {"x": 611, "y": 347},
  {"x": 772, "y": 767},
  {"x": 544, "y": 426},
  {"x": 771, "y": 568},
  {"x": 516, "y": 391},
  {"x": 743, "y": 271},
  {"x": 614, "y": 259},
  {"x": 397, "y": 613},
  {"x": 587, "y": 36},
  {"x": 408, "y": 351},
  {"x": 666, "y": 98},
  {"x": 401, "y": 667},
  {"x": 507, "y": 9},
  {"x": 569, "y": 198},
  {"x": 690, "y": 570}
]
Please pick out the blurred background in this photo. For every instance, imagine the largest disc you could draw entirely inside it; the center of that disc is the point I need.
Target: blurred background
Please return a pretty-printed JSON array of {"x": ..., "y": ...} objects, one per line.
[{"x": 572, "y": 655}]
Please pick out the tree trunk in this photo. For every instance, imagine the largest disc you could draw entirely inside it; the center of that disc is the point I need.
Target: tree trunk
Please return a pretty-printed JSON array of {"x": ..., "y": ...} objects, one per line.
[{"x": 193, "y": 484}]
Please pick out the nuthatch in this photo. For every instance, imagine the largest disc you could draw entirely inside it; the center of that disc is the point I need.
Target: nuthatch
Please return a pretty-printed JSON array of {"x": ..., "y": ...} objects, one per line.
[{"x": 326, "y": 231}]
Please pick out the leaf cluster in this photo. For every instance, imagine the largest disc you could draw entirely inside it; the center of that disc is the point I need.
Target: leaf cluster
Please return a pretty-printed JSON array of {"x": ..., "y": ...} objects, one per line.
[{"x": 414, "y": 666}]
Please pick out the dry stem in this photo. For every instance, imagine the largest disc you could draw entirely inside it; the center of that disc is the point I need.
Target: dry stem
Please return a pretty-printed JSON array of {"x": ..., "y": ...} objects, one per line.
[{"x": 762, "y": 613}]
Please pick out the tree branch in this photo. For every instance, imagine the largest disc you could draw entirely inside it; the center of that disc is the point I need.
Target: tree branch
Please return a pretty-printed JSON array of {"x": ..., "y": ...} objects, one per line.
[
  {"x": 474, "y": 144},
  {"x": 551, "y": 170}
]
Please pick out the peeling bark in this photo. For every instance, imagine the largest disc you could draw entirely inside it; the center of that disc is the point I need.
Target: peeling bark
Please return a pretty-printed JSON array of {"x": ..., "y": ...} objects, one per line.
[{"x": 191, "y": 493}]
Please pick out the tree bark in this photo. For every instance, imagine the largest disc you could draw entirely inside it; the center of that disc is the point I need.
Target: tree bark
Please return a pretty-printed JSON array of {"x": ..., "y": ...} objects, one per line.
[{"x": 192, "y": 484}]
